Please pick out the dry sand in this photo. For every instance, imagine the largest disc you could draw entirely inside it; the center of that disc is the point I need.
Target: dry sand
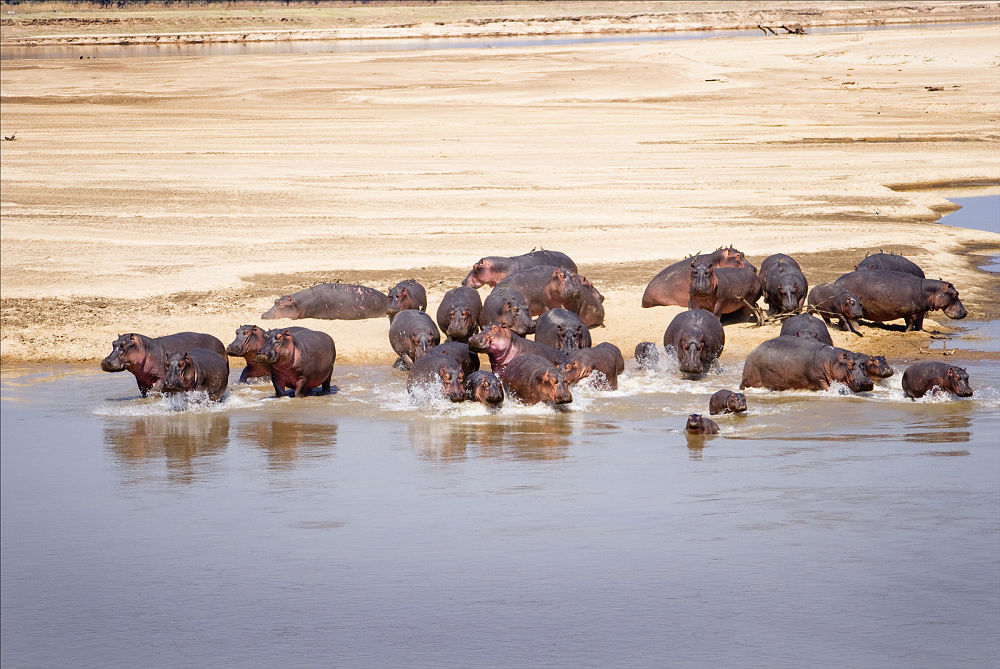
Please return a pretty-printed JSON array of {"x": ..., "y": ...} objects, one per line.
[{"x": 186, "y": 193}]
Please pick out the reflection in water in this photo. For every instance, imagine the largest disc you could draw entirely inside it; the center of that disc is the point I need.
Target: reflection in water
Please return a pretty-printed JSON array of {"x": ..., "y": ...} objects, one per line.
[
  {"x": 521, "y": 438},
  {"x": 937, "y": 428},
  {"x": 184, "y": 440},
  {"x": 285, "y": 441}
]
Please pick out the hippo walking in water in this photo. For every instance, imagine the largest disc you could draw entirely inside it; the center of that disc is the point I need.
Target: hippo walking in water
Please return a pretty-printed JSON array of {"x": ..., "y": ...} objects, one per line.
[
  {"x": 412, "y": 334},
  {"x": 698, "y": 424},
  {"x": 301, "y": 360},
  {"x": 890, "y": 261},
  {"x": 887, "y": 295},
  {"x": 458, "y": 313},
  {"x": 723, "y": 290},
  {"x": 605, "y": 358},
  {"x": 562, "y": 329},
  {"x": 806, "y": 325},
  {"x": 484, "y": 387},
  {"x": 332, "y": 301},
  {"x": 491, "y": 270},
  {"x": 789, "y": 363},
  {"x": 726, "y": 401},
  {"x": 784, "y": 285},
  {"x": 831, "y": 301},
  {"x": 502, "y": 345},
  {"x": 461, "y": 353},
  {"x": 697, "y": 338},
  {"x": 248, "y": 342},
  {"x": 672, "y": 285},
  {"x": 876, "y": 366},
  {"x": 922, "y": 377},
  {"x": 646, "y": 355},
  {"x": 406, "y": 295},
  {"x": 440, "y": 371},
  {"x": 146, "y": 357},
  {"x": 532, "y": 379},
  {"x": 197, "y": 369}
]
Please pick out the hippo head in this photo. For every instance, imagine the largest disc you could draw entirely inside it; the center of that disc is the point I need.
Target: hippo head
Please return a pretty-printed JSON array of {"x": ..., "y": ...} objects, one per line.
[
  {"x": 481, "y": 273},
  {"x": 690, "y": 351},
  {"x": 496, "y": 339},
  {"x": 956, "y": 381},
  {"x": 284, "y": 307},
  {"x": 516, "y": 317},
  {"x": 703, "y": 279},
  {"x": 460, "y": 322},
  {"x": 946, "y": 299},
  {"x": 484, "y": 388},
  {"x": 422, "y": 342},
  {"x": 573, "y": 370},
  {"x": 851, "y": 307},
  {"x": 850, "y": 369},
  {"x": 180, "y": 374},
  {"x": 646, "y": 355},
  {"x": 452, "y": 380},
  {"x": 736, "y": 402},
  {"x": 553, "y": 387},
  {"x": 564, "y": 284},
  {"x": 249, "y": 339},
  {"x": 278, "y": 344},
  {"x": 698, "y": 424},
  {"x": 877, "y": 367},
  {"x": 400, "y": 299},
  {"x": 728, "y": 256},
  {"x": 569, "y": 337},
  {"x": 126, "y": 351},
  {"x": 791, "y": 293}
]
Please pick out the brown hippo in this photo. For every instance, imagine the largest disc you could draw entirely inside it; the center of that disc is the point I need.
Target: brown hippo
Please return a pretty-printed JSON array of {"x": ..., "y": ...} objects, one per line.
[
  {"x": 887, "y": 295},
  {"x": 507, "y": 307},
  {"x": 300, "y": 360},
  {"x": 806, "y": 325},
  {"x": 458, "y": 313},
  {"x": 491, "y": 270},
  {"x": 726, "y": 401},
  {"x": 562, "y": 329},
  {"x": 830, "y": 301},
  {"x": 438, "y": 370},
  {"x": 891, "y": 261},
  {"x": 723, "y": 290},
  {"x": 411, "y": 334},
  {"x": 605, "y": 358},
  {"x": 646, "y": 355},
  {"x": 146, "y": 357},
  {"x": 332, "y": 301},
  {"x": 461, "y": 353},
  {"x": 531, "y": 379},
  {"x": 876, "y": 366},
  {"x": 483, "y": 387},
  {"x": 405, "y": 295},
  {"x": 696, "y": 337},
  {"x": 788, "y": 363},
  {"x": 544, "y": 287},
  {"x": 698, "y": 424},
  {"x": 672, "y": 286},
  {"x": 588, "y": 304},
  {"x": 502, "y": 345},
  {"x": 784, "y": 285},
  {"x": 922, "y": 377},
  {"x": 249, "y": 339},
  {"x": 197, "y": 369}
]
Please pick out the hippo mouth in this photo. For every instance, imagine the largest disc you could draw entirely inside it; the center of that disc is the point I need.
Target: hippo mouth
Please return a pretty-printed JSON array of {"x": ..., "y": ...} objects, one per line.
[
  {"x": 956, "y": 311},
  {"x": 262, "y": 357},
  {"x": 861, "y": 385},
  {"x": 109, "y": 365}
]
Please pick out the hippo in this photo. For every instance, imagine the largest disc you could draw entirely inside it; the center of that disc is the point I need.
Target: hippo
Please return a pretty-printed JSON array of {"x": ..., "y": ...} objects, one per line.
[
  {"x": 806, "y": 325},
  {"x": 876, "y": 366},
  {"x": 405, "y": 295},
  {"x": 887, "y": 295},
  {"x": 646, "y": 355},
  {"x": 788, "y": 363},
  {"x": 441, "y": 371},
  {"x": 146, "y": 357},
  {"x": 458, "y": 313},
  {"x": 502, "y": 345},
  {"x": 672, "y": 286},
  {"x": 698, "y": 424},
  {"x": 491, "y": 270},
  {"x": 697, "y": 338},
  {"x": 544, "y": 287},
  {"x": 588, "y": 304},
  {"x": 507, "y": 307},
  {"x": 832, "y": 301},
  {"x": 249, "y": 339},
  {"x": 531, "y": 379},
  {"x": 784, "y": 285},
  {"x": 197, "y": 369},
  {"x": 461, "y": 353},
  {"x": 332, "y": 301},
  {"x": 726, "y": 401},
  {"x": 562, "y": 329},
  {"x": 921, "y": 377},
  {"x": 723, "y": 290},
  {"x": 411, "y": 334},
  {"x": 483, "y": 387},
  {"x": 605, "y": 358},
  {"x": 300, "y": 360},
  {"x": 891, "y": 261}
]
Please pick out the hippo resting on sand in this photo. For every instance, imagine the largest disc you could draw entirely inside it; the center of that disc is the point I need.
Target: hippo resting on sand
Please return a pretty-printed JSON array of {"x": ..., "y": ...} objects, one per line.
[
  {"x": 491, "y": 270},
  {"x": 789, "y": 363},
  {"x": 672, "y": 286},
  {"x": 922, "y": 377},
  {"x": 891, "y": 261},
  {"x": 332, "y": 301},
  {"x": 887, "y": 295},
  {"x": 146, "y": 357}
]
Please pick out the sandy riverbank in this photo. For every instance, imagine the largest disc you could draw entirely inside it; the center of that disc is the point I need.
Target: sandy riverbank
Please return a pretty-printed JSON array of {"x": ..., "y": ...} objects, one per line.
[{"x": 165, "y": 194}]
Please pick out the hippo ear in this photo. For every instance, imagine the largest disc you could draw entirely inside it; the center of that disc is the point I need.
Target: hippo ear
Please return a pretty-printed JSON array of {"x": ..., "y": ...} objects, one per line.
[{"x": 287, "y": 332}]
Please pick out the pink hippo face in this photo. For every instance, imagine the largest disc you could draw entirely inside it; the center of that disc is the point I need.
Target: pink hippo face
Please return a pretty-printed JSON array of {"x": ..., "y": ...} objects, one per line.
[{"x": 284, "y": 307}]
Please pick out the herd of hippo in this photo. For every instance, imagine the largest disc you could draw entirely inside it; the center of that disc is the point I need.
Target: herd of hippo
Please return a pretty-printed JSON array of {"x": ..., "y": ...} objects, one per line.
[{"x": 542, "y": 294}]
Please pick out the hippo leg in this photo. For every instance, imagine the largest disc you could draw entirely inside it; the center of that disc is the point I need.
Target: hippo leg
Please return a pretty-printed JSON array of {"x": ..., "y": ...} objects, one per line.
[
  {"x": 279, "y": 389},
  {"x": 327, "y": 383},
  {"x": 156, "y": 387},
  {"x": 245, "y": 375},
  {"x": 401, "y": 363},
  {"x": 848, "y": 324},
  {"x": 300, "y": 387}
]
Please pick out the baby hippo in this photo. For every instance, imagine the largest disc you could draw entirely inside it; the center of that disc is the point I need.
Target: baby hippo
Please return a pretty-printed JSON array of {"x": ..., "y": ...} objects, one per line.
[
  {"x": 484, "y": 387},
  {"x": 605, "y": 358},
  {"x": 726, "y": 401},
  {"x": 877, "y": 367},
  {"x": 920, "y": 378},
  {"x": 197, "y": 369},
  {"x": 441, "y": 371},
  {"x": 698, "y": 424},
  {"x": 646, "y": 355}
]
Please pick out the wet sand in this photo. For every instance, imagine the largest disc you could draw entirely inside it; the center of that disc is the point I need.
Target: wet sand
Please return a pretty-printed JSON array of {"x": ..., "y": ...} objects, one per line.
[{"x": 166, "y": 194}]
